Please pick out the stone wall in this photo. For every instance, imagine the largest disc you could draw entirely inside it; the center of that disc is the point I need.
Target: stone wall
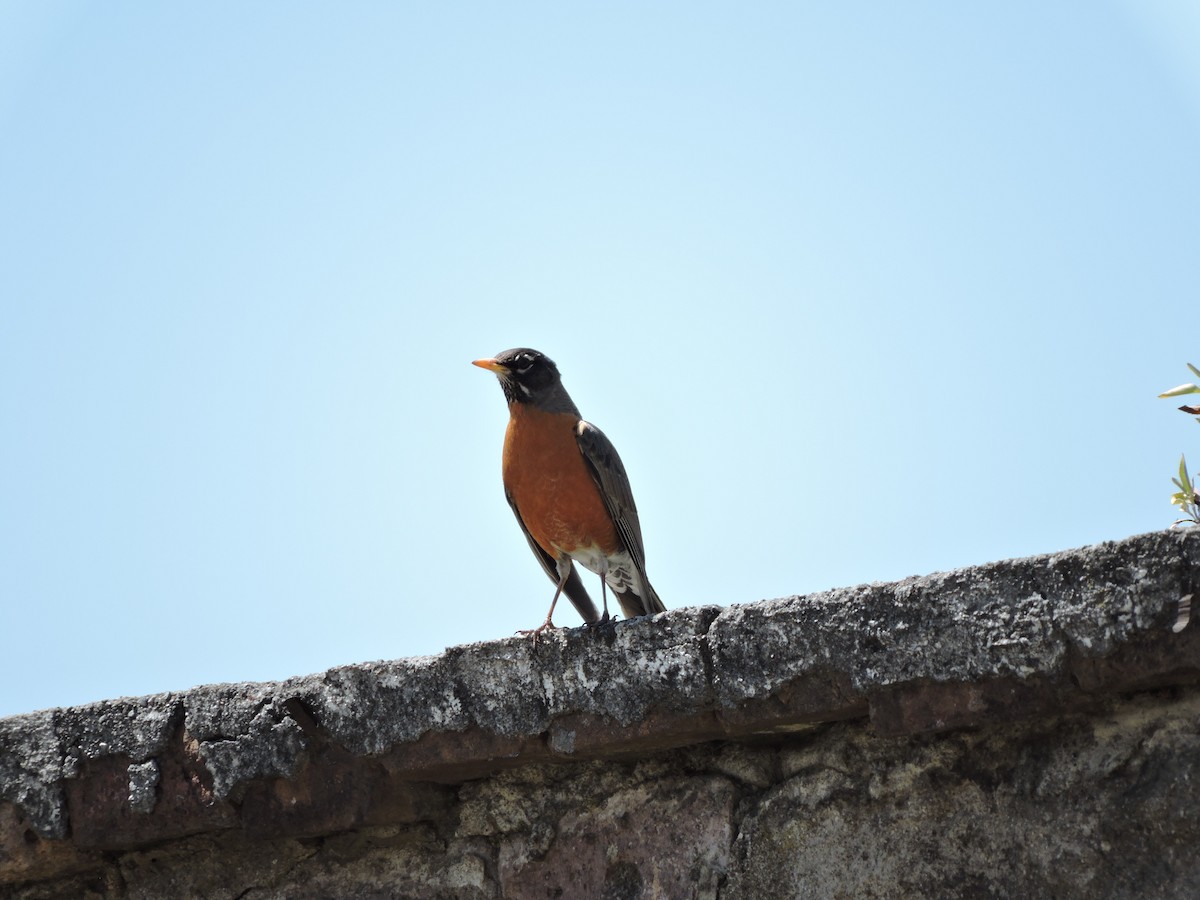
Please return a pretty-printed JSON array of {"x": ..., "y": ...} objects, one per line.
[{"x": 1024, "y": 728}]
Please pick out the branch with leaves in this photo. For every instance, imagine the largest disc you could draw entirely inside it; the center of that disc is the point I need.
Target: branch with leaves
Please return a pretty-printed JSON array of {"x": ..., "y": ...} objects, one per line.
[{"x": 1186, "y": 497}]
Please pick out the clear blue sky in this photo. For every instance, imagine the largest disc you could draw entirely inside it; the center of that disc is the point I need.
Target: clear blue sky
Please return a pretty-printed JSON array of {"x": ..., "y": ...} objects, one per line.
[{"x": 859, "y": 290}]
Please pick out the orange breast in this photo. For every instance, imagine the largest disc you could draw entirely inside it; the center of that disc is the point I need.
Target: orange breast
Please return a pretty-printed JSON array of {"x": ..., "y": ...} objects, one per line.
[{"x": 549, "y": 481}]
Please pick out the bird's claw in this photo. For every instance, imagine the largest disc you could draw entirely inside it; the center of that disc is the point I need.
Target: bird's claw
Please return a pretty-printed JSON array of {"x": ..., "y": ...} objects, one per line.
[
  {"x": 606, "y": 619},
  {"x": 545, "y": 626}
]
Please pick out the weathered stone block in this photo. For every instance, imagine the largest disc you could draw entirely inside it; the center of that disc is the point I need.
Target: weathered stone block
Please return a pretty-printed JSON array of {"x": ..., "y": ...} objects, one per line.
[{"x": 1023, "y": 728}]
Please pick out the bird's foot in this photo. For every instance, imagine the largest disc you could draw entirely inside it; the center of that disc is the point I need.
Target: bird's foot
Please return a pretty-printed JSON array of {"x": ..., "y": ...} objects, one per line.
[
  {"x": 607, "y": 619},
  {"x": 545, "y": 626}
]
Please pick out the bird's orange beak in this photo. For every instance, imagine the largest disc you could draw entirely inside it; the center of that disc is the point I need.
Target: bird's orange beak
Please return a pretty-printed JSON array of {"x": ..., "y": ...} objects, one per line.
[{"x": 491, "y": 365}]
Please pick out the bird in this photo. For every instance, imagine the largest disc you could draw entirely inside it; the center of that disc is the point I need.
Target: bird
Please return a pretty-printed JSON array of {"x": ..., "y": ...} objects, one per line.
[{"x": 568, "y": 489}]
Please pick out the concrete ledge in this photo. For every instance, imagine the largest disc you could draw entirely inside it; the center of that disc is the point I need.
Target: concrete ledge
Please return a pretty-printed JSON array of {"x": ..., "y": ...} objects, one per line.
[{"x": 375, "y": 744}]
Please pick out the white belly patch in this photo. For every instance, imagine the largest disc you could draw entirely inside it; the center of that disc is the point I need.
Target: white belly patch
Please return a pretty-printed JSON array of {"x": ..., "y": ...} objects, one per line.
[{"x": 617, "y": 570}]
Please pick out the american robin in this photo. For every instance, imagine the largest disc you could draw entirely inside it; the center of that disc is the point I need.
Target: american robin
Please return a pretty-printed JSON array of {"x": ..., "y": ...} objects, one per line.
[{"x": 568, "y": 488}]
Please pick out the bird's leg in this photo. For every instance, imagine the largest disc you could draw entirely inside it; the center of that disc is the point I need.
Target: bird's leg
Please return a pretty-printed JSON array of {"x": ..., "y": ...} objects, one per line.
[
  {"x": 562, "y": 582},
  {"x": 604, "y": 599}
]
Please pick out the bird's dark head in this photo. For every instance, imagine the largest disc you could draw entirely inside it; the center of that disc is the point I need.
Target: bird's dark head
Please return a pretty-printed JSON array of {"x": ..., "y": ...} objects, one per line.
[{"x": 528, "y": 376}]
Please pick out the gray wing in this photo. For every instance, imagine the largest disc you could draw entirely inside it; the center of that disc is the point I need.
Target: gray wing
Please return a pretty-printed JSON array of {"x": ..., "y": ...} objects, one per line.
[
  {"x": 610, "y": 477},
  {"x": 609, "y": 474},
  {"x": 574, "y": 589}
]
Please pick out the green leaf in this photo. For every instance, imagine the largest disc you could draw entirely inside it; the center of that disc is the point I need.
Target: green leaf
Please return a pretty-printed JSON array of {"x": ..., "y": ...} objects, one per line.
[
  {"x": 1184, "y": 482},
  {"x": 1181, "y": 390},
  {"x": 1195, "y": 371}
]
